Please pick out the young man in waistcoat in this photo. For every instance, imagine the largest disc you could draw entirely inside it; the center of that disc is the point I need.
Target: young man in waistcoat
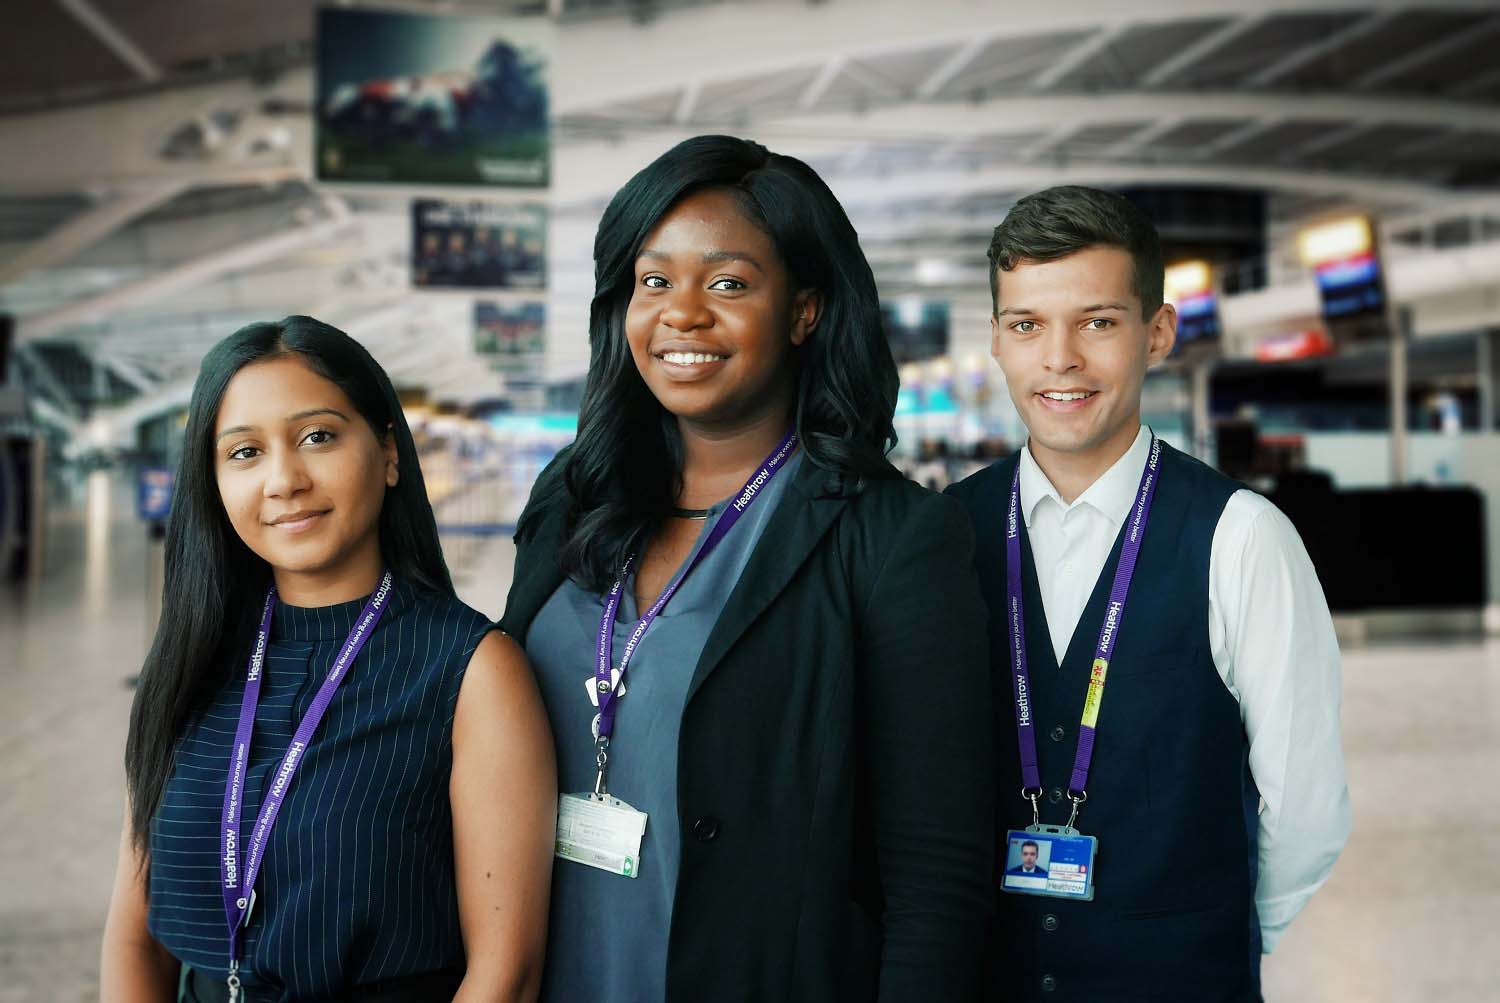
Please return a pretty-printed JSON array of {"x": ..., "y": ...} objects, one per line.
[{"x": 1169, "y": 695}]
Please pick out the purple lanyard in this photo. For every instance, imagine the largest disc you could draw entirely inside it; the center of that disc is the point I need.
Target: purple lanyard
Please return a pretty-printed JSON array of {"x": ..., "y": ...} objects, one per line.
[
  {"x": 237, "y": 883},
  {"x": 608, "y": 682},
  {"x": 1031, "y": 778}
]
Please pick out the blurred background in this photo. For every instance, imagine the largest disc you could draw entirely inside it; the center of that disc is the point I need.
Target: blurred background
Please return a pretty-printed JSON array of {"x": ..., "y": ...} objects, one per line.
[{"x": 428, "y": 176}]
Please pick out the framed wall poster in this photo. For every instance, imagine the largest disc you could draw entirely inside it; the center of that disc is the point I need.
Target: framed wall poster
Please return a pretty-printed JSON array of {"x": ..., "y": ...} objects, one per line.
[{"x": 432, "y": 99}]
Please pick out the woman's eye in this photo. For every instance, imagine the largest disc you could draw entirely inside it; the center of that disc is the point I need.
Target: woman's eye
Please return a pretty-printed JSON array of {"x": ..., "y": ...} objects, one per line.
[
  {"x": 654, "y": 282},
  {"x": 727, "y": 285},
  {"x": 318, "y": 436},
  {"x": 243, "y": 453}
]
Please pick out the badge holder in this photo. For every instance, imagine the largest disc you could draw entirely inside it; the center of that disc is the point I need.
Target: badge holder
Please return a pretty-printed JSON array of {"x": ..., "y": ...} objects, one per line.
[
  {"x": 1060, "y": 863},
  {"x": 598, "y": 830}
]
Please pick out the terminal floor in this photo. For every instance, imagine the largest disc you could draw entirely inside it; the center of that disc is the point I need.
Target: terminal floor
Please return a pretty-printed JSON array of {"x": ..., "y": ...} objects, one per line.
[{"x": 1411, "y": 913}]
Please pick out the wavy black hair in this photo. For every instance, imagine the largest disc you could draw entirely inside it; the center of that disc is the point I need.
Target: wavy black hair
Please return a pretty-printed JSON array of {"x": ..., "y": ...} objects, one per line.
[
  {"x": 214, "y": 584},
  {"x": 624, "y": 470}
]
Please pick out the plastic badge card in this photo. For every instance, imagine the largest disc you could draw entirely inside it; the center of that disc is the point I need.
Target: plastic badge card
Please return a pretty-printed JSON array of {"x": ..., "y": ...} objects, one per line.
[
  {"x": 1051, "y": 860},
  {"x": 601, "y": 832}
]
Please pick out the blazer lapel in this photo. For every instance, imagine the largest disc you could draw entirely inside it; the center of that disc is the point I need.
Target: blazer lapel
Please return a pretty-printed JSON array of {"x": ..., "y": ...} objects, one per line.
[{"x": 805, "y": 514}]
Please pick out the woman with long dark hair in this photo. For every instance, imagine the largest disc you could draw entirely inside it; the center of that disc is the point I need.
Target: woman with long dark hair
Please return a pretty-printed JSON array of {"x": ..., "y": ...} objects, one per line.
[
  {"x": 340, "y": 781},
  {"x": 763, "y": 652}
]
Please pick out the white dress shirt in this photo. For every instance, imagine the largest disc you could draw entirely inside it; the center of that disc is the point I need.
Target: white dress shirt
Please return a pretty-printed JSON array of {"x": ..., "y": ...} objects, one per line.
[{"x": 1273, "y": 644}]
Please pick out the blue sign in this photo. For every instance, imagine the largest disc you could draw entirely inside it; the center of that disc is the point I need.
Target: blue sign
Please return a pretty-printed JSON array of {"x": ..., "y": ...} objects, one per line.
[
  {"x": 1351, "y": 287},
  {"x": 154, "y": 494}
]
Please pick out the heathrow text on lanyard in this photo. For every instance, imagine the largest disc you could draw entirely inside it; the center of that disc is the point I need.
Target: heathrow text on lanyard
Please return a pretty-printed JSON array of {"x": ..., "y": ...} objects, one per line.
[
  {"x": 608, "y": 683},
  {"x": 238, "y": 882},
  {"x": 1031, "y": 778}
]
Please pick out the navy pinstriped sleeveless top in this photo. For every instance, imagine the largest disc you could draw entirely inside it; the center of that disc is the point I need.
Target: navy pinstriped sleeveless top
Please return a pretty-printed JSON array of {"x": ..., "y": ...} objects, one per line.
[{"x": 357, "y": 885}]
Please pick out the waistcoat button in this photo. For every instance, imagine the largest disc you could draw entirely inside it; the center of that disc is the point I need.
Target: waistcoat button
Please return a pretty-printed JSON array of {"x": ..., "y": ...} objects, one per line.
[
  {"x": 1048, "y": 983},
  {"x": 706, "y": 828},
  {"x": 1049, "y": 922}
]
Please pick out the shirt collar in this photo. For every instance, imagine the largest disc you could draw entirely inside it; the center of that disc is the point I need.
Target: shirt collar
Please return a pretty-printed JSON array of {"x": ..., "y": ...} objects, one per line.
[{"x": 1111, "y": 495}]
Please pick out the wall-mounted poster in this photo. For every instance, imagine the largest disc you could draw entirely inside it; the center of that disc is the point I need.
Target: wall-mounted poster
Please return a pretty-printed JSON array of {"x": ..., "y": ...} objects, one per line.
[
  {"x": 478, "y": 245},
  {"x": 512, "y": 337},
  {"x": 917, "y": 328},
  {"x": 432, "y": 99}
]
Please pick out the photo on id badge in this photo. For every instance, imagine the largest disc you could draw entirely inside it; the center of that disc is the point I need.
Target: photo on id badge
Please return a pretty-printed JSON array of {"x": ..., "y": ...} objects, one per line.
[{"x": 1057, "y": 864}]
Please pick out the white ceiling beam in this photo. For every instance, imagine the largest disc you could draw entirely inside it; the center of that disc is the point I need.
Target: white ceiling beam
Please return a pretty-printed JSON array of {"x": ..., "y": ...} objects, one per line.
[
  {"x": 90, "y": 227},
  {"x": 944, "y": 121},
  {"x": 1143, "y": 138},
  {"x": 113, "y": 38},
  {"x": 585, "y": 172},
  {"x": 173, "y": 280},
  {"x": 951, "y": 67},
  {"x": 1236, "y": 137},
  {"x": 1475, "y": 85},
  {"x": 914, "y": 185},
  {"x": 826, "y": 76},
  {"x": 614, "y": 60},
  {"x": 1204, "y": 47},
  {"x": 856, "y": 156},
  {"x": 117, "y": 144},
  {"x": 1327, "y": 141},
  {"x": 1419, "y": 146},
  {"x": 1316, "y": 50},
  {"x": 1424, "y": 54},
  {"x": 688, "y": 103},
  {"x": 746, "y": 98},
  {"x": 42, "y": 371},
  {"x": 164, "y": 398},
  {"x": 49, "y": 412},
  {"x": 947, "y": 152},
  {"x": 1049, "y": 140},
  {"x": 872, "y": 81},
  {"x": 1077, "y": 56},
  {"x": 126, "y": 370}
]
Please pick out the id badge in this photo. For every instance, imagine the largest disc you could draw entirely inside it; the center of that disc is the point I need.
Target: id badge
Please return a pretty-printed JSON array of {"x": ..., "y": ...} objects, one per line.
[
  {"x": 602, "y": 832},
  {"x": 1051, "y": 860}
]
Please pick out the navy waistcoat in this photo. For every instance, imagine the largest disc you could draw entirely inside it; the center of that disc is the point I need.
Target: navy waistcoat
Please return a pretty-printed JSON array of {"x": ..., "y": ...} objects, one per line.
[{"x": 1170, "y": 796}]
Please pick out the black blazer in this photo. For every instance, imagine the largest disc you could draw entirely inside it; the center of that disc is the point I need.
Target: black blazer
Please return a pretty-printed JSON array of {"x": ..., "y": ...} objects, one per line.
[{"x": 835, "y": 783}]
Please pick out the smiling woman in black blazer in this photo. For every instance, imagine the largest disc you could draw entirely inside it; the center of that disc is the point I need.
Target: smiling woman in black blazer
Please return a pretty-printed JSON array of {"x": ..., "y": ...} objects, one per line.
[{"x": 804, "y": 731}]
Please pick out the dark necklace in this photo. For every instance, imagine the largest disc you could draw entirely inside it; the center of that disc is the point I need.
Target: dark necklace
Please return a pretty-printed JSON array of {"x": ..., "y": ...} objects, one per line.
[{"x": 690, "y": 513}]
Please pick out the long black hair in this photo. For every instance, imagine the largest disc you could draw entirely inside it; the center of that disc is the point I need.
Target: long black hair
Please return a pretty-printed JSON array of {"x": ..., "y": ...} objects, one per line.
[
  {"x": 624, "y": 469},
  {"x": 214, "y": 583}
]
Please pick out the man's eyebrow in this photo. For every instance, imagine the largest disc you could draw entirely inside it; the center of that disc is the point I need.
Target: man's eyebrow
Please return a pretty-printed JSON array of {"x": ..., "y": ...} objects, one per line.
[
  {"x": 299, "y": 416},
  {"x": 1093, "y": 307},
  {"x": 1017, "y": 310}
]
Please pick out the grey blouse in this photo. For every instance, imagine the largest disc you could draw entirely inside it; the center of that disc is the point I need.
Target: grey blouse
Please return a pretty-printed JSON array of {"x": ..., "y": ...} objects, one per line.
[{"x": 608, "y": 938}]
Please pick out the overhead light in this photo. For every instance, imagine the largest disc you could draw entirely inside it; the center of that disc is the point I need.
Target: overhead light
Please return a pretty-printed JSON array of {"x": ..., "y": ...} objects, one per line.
[
  {"x": 1339, "y": 240},
  {"x": 1187, "y": 279},
  {"x": 935, "y": 271}
]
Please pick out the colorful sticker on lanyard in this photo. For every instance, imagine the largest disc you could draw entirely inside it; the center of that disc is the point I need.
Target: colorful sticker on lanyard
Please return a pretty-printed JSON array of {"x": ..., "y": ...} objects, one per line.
[
  {"x": 1057, "y": 860},
  {"x": 595, "y": 828},
  {"x": 237, "y": 882}
]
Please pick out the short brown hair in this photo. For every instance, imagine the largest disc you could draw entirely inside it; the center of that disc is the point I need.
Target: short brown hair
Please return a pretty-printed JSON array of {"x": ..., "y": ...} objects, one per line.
[{"x": 1057, "y": 222}]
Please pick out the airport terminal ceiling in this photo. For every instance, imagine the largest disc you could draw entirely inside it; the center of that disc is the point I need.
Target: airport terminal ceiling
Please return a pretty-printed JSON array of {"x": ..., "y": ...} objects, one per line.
[{"x": 156, "y": 188}]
